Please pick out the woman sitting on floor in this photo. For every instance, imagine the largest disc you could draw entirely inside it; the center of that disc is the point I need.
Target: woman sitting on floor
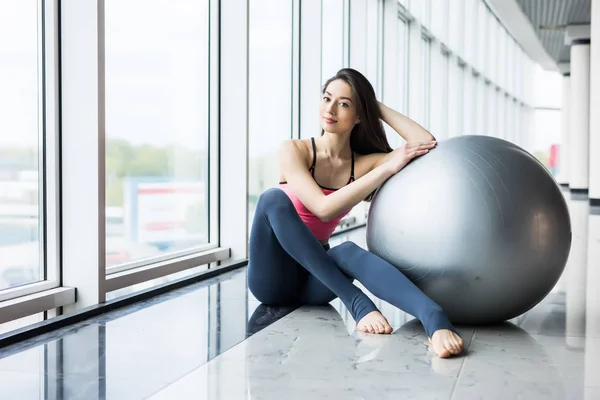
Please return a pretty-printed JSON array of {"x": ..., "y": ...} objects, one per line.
[{"x": 290, "y": 260}]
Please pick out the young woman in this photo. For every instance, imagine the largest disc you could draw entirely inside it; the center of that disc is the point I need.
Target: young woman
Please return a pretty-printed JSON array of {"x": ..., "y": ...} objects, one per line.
[{"x": 290, "y": 261}]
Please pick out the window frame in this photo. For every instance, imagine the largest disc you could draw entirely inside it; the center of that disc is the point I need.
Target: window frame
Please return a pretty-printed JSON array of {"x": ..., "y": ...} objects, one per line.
[
  {"x": 74, "y": 252},
  {"x": 48, "y": 156},
  {"x": 212, "y": 217}
]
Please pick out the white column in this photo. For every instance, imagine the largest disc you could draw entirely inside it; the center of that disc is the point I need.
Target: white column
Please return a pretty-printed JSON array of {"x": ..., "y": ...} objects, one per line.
[
  {"x": 580, "y": 115},
  {"x": 563, "y": 174},
  {"x": 82, "y": 141},
  {"x": 594, "y": 178},
  {"x": 576, "y": 275},
  {"x": 234, "y": 131},
  {"x": 592, "y": 309}
]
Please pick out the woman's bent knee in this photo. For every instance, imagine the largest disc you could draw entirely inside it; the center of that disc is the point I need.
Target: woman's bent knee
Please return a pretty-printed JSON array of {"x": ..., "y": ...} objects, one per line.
[
  {"x": 269, "y": 297},
  {"x": 264, "y": 291},
  {"x": 273, "y": 196},
  {"x": 344, "y": 249}
]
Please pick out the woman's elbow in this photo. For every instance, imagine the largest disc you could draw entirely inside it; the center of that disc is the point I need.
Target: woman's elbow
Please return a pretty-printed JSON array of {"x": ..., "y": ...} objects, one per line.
[
  {"x": 324, "y": 214},
  {"x": 325, "y": 218}
]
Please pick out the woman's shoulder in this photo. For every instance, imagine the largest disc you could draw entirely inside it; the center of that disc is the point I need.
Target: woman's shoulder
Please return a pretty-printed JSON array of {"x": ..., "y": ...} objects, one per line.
[
  {"x": 299, "y": 146},
  {"x": 296, "y": 148}
]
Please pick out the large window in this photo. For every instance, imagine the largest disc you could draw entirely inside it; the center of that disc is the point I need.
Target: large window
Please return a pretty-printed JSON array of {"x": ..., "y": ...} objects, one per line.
[
  {"x": 157, "y": 129},
  {"x": 27, "y": 143},
  {"x": 270, "y": 92}
]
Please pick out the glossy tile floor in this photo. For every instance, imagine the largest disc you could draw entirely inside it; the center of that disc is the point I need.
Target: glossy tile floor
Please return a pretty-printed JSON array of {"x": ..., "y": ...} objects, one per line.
[{"x": 213, "y": 340}]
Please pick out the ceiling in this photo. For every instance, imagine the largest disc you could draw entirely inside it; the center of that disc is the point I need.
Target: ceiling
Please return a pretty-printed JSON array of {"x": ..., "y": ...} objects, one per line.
[
  {"x": 539, "y": 26},
  {"x": 549, "y": 19}
]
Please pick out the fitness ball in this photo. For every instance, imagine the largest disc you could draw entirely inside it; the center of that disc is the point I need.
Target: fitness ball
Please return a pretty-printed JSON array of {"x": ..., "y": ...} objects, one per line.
[{"x": 478, "y": 224}]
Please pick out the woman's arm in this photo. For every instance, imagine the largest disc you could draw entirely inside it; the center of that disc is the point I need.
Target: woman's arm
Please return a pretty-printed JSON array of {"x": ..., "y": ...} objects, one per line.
[
  {"x": 404, "y": 126},
  {"x": 292, "y": 163}
]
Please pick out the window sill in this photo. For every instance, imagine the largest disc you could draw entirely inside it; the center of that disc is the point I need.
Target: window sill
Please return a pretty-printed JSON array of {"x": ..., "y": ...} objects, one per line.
[
  {"x": 134, "y": 276},
  {"x": 35, "y": 303},
  {"x": 62, "y": 321}
]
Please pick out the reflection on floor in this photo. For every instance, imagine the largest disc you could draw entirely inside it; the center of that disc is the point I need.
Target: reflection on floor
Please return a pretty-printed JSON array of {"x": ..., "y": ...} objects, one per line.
[
  {"x": 215, "y": 341},
  {"x": 134, "y": 352}
]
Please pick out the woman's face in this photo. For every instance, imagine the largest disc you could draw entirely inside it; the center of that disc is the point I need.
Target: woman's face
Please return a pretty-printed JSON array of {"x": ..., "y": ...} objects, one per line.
[{"x": 338, "y": 110}]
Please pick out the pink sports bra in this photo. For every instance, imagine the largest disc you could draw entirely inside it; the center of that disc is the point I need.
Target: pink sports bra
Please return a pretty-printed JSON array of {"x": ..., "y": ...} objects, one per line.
[{"x": 322, "y": 230}]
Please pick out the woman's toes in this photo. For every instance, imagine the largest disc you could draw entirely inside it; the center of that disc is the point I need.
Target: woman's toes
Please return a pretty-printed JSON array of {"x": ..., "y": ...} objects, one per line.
[
  {"x": 448, "y": 346},
  {"x": 456, "y": 346}
]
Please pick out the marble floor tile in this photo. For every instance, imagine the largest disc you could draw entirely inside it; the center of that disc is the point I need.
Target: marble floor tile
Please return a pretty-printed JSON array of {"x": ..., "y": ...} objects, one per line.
[{"x": 301, "y": 357}]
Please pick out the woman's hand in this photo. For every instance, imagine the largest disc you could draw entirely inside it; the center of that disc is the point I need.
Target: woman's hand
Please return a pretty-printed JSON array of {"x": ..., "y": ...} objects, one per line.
[{"x": 402, "y": 155}]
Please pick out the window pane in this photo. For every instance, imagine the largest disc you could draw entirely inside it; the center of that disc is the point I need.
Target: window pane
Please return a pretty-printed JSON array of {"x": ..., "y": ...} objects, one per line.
[
  {"x": 438, "y": 93},
  {"x": 491, "y": 110},
  {"x": 501, "y": 114},
  {"x": 481, "y": 107},
  {"x": 455, "y": 99},
  {"x": 333, "y": 38},
  {"x": 443, "y": 113},
  {"x": 157, "y": 59},
  {"x": 468, "y": 102},
  {"x": 270, "y": 92},
  {"x": 20, "y": 246},
  {"x": 402, "y": 77},
  {"x": 426, "y": 76}
]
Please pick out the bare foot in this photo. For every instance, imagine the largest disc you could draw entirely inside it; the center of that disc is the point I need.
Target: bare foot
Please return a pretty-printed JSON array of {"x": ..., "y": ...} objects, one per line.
[
  {"x": 374, "y": 322},
  {"x": 446, "y": 343}
]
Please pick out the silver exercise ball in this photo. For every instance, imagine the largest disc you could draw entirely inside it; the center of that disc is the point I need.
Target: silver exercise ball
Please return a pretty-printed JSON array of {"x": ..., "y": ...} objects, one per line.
[{"x": 478, "y": 224}]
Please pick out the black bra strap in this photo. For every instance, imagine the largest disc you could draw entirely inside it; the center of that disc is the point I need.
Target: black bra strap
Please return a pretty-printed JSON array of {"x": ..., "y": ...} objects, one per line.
[
  {"x": 352, "y": 168},
  {"x": 314, "y": 162}
]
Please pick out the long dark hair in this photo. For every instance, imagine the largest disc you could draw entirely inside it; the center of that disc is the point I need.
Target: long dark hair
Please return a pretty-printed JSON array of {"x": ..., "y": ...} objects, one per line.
[{"x": 368, "y": 136}]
